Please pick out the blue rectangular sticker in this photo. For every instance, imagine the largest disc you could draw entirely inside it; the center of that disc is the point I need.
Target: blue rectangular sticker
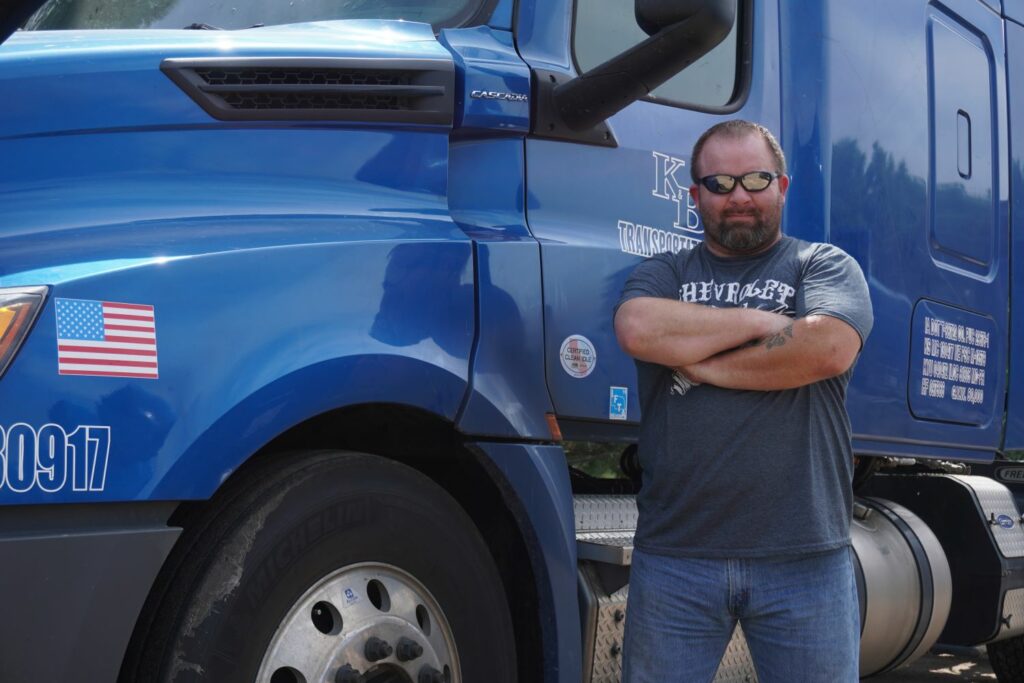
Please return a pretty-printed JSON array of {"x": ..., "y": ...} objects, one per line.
[{"x": 618, "y": 399}]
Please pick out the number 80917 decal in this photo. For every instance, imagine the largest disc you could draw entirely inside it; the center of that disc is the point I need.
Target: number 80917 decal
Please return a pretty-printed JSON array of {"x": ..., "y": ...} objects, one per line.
[{"x": 51, "y": 460}]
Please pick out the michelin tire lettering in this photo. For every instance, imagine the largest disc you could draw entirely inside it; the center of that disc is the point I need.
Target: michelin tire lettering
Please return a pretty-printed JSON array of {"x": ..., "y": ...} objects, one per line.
[{"x": 50, "y": 459}]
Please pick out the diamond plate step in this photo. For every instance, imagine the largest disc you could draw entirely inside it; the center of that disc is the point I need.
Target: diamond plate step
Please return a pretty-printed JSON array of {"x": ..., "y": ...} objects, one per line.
[
  {"x": 612, "y": 547},
  {"x": 736, "y": 665},
  {"x": 604, "y": 513},
  {"x": 605, "y": 526},
  {"x": 603, "y": 626}
]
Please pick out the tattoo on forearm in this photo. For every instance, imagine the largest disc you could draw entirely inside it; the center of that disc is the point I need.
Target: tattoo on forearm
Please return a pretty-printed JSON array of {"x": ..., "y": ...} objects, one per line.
[{"x": 777, "y": 339}]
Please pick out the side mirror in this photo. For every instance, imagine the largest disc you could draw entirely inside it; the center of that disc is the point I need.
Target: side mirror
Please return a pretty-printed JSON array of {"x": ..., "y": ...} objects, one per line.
[
  {"x": 681, "y": 32},
  {"x": 655, "y": 15}
]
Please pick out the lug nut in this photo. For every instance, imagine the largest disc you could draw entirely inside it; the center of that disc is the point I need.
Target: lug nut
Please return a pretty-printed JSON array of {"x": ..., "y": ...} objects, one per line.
[
  {"x": 347, "y": 674},
  {"x": 376, "y": 649},
  {"x": 408, "y": 650},
  {"x": 429, "y": 674}
]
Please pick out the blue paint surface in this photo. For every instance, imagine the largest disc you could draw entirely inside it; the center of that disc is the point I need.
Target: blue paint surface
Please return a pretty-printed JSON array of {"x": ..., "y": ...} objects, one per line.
[
  {"x": 540, "y": 478},
  {"x": 597, "y": 211},
  {"x": 299, "y": 267},
  {"x": 893, "y": 146},
  {"x": 528, "y": 241},
  {"x": 1015, "y": 400},
  {"x": 294, "y": 267}
]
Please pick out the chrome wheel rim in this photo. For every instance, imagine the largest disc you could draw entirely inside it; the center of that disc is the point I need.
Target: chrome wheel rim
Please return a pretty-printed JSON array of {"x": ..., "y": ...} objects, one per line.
[{"x": 368, "y": 622}]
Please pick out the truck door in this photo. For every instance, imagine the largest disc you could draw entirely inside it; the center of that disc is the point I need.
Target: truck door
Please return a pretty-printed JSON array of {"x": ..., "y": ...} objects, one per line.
[
  {"x": 919, "y": 192},
  {"x": 600, "y": 205}
]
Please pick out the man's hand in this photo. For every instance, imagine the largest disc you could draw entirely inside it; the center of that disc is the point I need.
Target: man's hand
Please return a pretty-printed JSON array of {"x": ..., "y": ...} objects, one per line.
[
  {"x": 805, "y": 351},
  {"x": 676, "y": 333}
]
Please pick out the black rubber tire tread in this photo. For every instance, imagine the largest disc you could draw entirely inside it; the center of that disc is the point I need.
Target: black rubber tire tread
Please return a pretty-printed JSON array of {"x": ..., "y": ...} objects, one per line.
[
  {"x": 1007, "y": 659},
  {"x": 286, "y": 523}
]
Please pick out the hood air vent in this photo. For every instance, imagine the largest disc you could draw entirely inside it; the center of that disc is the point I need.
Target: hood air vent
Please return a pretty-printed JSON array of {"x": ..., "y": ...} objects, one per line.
[{"x": 295, "y": 89}]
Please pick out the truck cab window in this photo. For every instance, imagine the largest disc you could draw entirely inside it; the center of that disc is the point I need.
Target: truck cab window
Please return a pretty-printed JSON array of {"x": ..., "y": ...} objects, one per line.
[
  {"x": 605, "y": 28},
  {"x": 217, "y": 14}
]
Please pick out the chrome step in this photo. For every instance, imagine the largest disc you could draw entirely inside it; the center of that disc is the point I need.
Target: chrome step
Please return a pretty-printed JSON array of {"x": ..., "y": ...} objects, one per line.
[
  {"x": 612, "y": 547},
  {"x": 604, "y": 528}
]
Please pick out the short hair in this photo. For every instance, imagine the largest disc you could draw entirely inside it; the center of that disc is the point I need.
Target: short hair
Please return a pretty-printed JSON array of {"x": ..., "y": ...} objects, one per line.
[{"x": 737, "y": 128}]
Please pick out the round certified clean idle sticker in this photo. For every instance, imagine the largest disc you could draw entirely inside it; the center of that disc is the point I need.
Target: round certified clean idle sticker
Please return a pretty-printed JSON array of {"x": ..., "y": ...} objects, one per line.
[{"x": 578, "y": 356}]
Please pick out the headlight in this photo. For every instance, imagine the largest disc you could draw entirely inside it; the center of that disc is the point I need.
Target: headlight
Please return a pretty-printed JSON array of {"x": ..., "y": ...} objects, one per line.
[{"x": 19, "y": 307}]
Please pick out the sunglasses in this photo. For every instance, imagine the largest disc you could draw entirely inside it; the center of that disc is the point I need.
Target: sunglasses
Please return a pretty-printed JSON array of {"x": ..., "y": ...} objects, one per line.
[{"x": 723, "y": 183}]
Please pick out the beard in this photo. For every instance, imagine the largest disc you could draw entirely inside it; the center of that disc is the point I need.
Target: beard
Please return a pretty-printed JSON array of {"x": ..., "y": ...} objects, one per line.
[{"x": 742, "y": 232}]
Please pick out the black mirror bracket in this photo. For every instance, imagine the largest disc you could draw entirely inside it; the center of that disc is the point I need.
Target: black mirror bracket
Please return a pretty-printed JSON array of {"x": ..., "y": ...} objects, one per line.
[
  {"x": 576, "y": 108},
  {"x": 546, "y": 121}
]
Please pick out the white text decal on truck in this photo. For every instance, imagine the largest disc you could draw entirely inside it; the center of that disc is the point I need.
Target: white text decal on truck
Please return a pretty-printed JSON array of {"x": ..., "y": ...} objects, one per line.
[
  {"x": 671, "y": 183},
  {"x": 51, "y": 460},
  {"x": 667, "y": 185}
]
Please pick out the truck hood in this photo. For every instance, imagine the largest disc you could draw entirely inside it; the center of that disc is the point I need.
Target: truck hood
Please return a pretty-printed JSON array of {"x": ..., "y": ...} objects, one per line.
[
  {"x": 13, "y": 14},
  {"x": 57, "y": 82},
  {"x": 94, "y": 132}
]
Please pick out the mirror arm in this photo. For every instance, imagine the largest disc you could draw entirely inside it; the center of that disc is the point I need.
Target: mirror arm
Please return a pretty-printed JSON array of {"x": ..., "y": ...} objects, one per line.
[{"x": 592, "y": 97}]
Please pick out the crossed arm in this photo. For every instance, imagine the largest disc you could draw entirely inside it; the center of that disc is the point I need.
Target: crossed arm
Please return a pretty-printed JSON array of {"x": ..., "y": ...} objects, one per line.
[{"x": 736, "y": 348}]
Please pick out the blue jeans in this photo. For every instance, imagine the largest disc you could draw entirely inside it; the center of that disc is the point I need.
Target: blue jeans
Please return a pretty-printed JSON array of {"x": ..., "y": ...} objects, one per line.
[{"x": 799, "y": 614}]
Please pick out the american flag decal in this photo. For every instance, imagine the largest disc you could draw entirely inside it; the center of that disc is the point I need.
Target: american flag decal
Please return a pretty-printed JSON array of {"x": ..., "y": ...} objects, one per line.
[{"x": 106, "y": 339}]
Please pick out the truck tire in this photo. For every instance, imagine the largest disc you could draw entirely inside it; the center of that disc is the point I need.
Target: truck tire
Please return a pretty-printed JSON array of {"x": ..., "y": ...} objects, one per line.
[
  {"x": 329, "y": 567},
  {"x": 1007, "y": 659}
]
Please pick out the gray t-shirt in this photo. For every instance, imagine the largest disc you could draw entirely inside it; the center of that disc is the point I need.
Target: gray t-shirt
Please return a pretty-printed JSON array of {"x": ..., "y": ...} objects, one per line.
[{"x": 731, "y": 473}]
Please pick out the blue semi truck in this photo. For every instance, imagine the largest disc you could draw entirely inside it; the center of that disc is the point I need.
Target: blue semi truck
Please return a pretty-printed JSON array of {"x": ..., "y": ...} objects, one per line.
[{"x": 308, "y": 371}]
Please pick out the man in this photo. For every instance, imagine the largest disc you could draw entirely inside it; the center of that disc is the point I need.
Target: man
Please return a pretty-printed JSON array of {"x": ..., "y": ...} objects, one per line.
[{"x": 744, "y": 347}]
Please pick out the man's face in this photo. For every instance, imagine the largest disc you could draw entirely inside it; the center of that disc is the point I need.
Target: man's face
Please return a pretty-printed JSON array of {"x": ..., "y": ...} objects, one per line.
[{"x": 741, "y": 222}]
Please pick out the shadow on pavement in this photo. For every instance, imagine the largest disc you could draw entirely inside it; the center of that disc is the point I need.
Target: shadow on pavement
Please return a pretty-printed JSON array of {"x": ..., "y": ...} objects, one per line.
[{"x": 962, "y": 664}]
